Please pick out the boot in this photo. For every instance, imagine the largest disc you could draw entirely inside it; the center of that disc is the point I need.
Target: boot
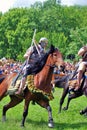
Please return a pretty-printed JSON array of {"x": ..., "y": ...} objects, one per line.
[{"x": 19, "y": 91}]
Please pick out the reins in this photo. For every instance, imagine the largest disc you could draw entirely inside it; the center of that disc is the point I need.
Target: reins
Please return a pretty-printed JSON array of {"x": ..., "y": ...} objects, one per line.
[{"x": 53, "y": 66}]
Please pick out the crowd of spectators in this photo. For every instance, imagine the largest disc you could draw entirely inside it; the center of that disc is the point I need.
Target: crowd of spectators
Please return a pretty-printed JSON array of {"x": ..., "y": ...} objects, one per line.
[{"x": 8, "y": 66}]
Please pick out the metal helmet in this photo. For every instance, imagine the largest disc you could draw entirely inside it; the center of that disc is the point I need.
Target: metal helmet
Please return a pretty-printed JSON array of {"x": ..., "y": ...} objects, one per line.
[{"x": 43, "y": 40}]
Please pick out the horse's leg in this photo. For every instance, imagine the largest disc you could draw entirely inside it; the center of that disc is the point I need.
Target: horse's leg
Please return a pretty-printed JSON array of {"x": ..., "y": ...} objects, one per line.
[
  {"x": 50, "y": 121},
  {"x": 25, "y": 113},
  {"x": 13, "y": 102},
  {"x": 65, "y": 92},
  {"x": 71, "y": 96},
  {"x": 45, "y": 104},
  {"x": 68, "y": 101}
]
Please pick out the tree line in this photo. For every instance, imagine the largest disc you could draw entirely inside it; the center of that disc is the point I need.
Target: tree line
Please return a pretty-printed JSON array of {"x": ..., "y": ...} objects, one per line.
[{"x": 65, "y": 27}]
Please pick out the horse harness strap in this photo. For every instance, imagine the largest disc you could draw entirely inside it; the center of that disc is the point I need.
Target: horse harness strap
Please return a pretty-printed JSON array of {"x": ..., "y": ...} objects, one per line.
[{"x": 53, "y": 66}]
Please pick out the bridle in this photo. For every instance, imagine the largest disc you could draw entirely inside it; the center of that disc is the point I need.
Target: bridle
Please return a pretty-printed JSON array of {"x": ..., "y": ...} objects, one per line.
[{"x": 52, "y": 66}]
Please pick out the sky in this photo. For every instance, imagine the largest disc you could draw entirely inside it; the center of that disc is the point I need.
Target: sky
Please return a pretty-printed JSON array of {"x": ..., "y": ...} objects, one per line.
[
  {"x": 74, "y": 2},
  {"x": 5, "y": 5}
]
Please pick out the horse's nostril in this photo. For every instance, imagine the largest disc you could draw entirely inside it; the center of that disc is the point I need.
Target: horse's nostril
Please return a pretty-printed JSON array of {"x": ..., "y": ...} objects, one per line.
[{"x": 62, "y": 66}]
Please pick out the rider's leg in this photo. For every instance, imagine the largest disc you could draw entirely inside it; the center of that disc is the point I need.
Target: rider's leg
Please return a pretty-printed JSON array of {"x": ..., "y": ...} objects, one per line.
[
  {"x": 22, "y": 84},
  {"x": 23, "y": 81},
  {"x": 79, "y": 77}
]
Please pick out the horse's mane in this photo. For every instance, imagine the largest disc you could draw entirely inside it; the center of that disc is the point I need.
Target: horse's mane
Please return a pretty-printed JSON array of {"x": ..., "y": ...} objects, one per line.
[{"x": 40, "y": 62}]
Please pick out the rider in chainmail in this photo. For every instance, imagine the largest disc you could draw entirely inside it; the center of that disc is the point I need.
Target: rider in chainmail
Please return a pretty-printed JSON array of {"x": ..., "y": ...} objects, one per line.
[{"x": 32, "y": 55}]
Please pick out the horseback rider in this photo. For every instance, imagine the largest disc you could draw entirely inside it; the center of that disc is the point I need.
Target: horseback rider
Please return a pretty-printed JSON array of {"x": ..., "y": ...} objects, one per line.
[
  {"x": 82, "y": 66},
  {"x": 32, "y": 55}
]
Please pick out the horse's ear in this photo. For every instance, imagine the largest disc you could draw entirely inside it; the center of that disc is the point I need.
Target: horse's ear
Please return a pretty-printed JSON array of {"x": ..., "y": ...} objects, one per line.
[{"x": 52, "y": 48}]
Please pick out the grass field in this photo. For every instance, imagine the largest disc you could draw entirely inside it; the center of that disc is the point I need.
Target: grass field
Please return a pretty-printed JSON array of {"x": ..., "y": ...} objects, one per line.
[{"x": 37, "y": 118}]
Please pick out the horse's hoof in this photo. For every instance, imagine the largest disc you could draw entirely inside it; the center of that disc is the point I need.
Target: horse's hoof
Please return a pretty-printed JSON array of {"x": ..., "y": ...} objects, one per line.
[
  {"x": 81, "y": 112},
  {"x": 3, "y": 118},
  {"x": 50, "y": 125},
  {"x": 22, "y": 126},
  {"x": 85, "y": 114},
  {"x": 65, "y": 108}
]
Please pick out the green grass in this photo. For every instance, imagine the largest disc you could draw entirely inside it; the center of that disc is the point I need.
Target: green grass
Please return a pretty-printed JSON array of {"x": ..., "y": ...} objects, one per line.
[{"x": 37, "y": 118}]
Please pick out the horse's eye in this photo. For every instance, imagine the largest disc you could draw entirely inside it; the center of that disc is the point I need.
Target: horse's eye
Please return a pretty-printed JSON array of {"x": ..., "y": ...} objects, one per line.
[{"x": 55, "y": 54}]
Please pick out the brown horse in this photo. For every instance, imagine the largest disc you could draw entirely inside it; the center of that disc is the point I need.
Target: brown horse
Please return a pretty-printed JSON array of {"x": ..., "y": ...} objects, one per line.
[{"x": 41, "y": 92}]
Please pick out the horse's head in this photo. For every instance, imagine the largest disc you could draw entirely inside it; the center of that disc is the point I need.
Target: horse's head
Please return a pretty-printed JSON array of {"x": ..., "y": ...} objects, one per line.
[{"x": 56, "y": 58}]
